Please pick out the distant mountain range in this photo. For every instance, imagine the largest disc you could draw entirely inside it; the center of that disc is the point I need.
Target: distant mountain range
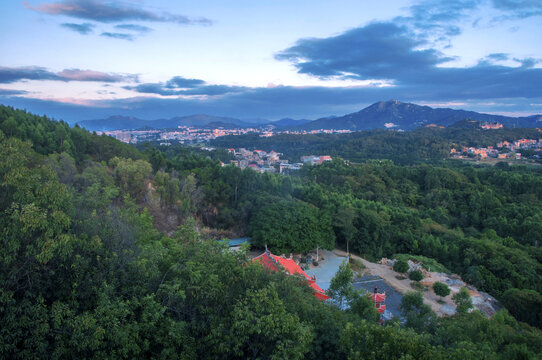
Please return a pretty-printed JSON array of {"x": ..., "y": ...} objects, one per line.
[
  {"x": 394, "y": 114},
  {"x": 391, "y": 114},
  {"x": 118, "y": 122}
]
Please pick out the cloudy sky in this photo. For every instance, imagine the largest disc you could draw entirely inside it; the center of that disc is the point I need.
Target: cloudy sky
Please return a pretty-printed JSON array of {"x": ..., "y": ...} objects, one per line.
[{"x": 84, "y": 59}]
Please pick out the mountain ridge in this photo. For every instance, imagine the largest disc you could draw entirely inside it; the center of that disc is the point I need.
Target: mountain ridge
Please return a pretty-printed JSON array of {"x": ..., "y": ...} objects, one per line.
[
  {"x": 394, "y": 114},
  {"x": 391, "y": 114}
]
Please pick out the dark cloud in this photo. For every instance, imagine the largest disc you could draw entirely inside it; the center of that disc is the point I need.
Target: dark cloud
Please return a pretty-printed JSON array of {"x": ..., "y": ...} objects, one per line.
[
  {"x": 528, "y": 62},
  {"x": 133, "y": 27},
  {"x": 10, "y": 75},
  {"x": 519, "y": 8},
  {"x": 9, "y": 92},
  {"x": 111, "y": 12},
  {"x": 83, "y": 29},
  {"x": 498, "y": 56},
  {"x": 178, "y": 86},
  {"x": 387, "y": 51},
  {"x": 376, "y": 51},
  {"x": 180, "y": 82},
  {"x": 119, "y": 36}
]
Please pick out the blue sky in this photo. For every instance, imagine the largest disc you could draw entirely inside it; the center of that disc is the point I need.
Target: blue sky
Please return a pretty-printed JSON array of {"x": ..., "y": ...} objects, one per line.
[{"x": 84, "y": 59}]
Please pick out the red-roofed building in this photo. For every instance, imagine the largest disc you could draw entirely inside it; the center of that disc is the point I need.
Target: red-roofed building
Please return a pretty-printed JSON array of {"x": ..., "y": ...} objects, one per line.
[
  {"x": 288, "y": 265},
  {"x": 379, "y": 299}
]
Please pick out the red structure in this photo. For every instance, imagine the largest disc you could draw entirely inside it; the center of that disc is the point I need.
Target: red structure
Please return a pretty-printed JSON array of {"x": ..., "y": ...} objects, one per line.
[
  {"x": 378, "y": 300},
  {"x": 288, "y": 265}
]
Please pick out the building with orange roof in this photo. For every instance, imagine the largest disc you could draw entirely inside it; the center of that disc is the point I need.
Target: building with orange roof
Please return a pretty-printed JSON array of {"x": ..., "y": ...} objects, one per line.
[{"x": 290, "y": 267}]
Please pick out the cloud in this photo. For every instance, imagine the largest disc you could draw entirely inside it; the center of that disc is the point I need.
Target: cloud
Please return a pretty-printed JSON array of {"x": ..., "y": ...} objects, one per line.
[
  {"x": 133, "y": 27},
  {"x": 387, "y": 51},
  {"x": 111, "y": 12},
  {"x": 83, "y": 29},
  {"x": 119, "y": 36},
  {"x": 181, "y": 82},
  {"x": 498, "y": 56},
  {"x": 439, "y": 17},
  {"x": 519, "y": 9},
  {"x": 376, "y": 51},
  {"x": 10, "y": 75},
  {"x": 180, "y": 86},
  {"x": 9, "y": 92},
  {"x": 271, "y": 103}
]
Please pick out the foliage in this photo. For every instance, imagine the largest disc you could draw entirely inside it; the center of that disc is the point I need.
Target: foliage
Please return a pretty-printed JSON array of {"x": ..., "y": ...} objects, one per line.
[
  {"x": 525, "y": 305},
  {"x": 427, "y": 263},
  {"x": 401, "y": 266},
  {"x": 341, "y": 288},
  {"x": 463, "y": 301},
  {"x": 410, "y": 147},
  {"x": 441, "y": 289},
  {"x": 84, "y": 273},
  {"x": 415, "y": 275},
  {"x": 288, "y": 226},
  {"x": 418, "y": 315}
]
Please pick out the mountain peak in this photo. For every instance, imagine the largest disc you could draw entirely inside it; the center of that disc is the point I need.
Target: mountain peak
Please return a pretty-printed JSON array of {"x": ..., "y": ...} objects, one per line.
[{"x": 393, "y": 114}]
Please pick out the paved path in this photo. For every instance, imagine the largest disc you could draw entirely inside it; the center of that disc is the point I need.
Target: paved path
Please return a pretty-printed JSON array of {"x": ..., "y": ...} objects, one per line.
[{"x": 326, "y": 269}]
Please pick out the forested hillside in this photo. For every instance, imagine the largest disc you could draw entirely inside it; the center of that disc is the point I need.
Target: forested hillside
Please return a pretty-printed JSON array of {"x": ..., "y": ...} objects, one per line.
[
  {"x": 412, "y": 147},
  {"x": 85, "y": 273}
]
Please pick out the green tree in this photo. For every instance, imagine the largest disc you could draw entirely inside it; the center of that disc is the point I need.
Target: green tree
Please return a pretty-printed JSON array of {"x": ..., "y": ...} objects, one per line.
[
  {"x": 263, "y": 329},
  {"x": 525, "y": 305},
  {"x": 418, "y": 315},
  {"x": 401, "y": 266},
  {"x": 341, "y": 288},
  {"x": 291, "y": 226},
  {"x": 415, "y": 275},
  {"x": 441, "y": 289},
  {"x": 462, "y": 301}
]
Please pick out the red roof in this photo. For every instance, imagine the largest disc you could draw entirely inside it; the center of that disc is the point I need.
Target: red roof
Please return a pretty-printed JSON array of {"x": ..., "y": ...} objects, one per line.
[
  {"x": 378, "y": 298},
  {"x": 278, "y": 263}
]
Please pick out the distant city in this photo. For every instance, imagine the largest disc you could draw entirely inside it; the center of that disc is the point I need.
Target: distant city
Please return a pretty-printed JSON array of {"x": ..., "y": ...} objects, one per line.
[
  {"x": 187, "y": 134},
  {"x": 518, "y": 149},
  {"x": 262, "y": 161}
]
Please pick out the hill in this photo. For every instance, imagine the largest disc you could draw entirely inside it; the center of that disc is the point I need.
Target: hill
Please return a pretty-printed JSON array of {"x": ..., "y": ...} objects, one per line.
[
  {"x": 397, "y": 115},
  {"x": 119, "y": 122}
]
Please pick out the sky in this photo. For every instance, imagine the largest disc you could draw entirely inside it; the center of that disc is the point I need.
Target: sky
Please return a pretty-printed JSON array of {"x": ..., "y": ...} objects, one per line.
[{"x": 86, "y": 59}]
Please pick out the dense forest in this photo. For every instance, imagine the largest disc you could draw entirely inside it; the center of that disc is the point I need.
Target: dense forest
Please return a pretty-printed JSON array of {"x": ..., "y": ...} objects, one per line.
[
  {"x": 109, "y": 252},
  {"x": 429, "y": 144}
]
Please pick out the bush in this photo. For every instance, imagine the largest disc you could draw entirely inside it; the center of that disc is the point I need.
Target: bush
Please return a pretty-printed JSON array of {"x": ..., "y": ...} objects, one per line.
[
  {"x": 401, "y": 266},
  {"x": 441, "y": 289},
  {"x": 463, "y": 301},
  {"x": 415, "y": 275}
]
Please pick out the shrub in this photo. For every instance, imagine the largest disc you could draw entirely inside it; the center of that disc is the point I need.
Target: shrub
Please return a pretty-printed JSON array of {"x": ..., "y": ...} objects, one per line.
[
  {"x": 401, "y": 266},
  {"x": 415, "y": 275},
  {"x": 441, "y": 289}
]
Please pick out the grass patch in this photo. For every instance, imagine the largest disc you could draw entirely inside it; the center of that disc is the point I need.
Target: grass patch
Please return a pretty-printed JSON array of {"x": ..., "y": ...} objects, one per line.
[
  {"x": 400, "y": 277},
  {"x": 417, "y": 286},
  {"x": 428, "y": 264},
  {"x": 356, "y": 265}
]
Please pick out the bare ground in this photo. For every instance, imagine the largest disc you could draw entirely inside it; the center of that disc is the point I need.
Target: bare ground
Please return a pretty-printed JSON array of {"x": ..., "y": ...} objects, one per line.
[{"x": 403, "y": 286}]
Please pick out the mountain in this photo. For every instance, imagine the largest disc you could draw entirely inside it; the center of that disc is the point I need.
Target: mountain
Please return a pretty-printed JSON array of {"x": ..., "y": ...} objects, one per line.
[
  {"x": 130, "y": 123},
  {"x": 287, "y": 122},
  {"x": 394, "y": 114},
  {"x": 116, "y": 122}
]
